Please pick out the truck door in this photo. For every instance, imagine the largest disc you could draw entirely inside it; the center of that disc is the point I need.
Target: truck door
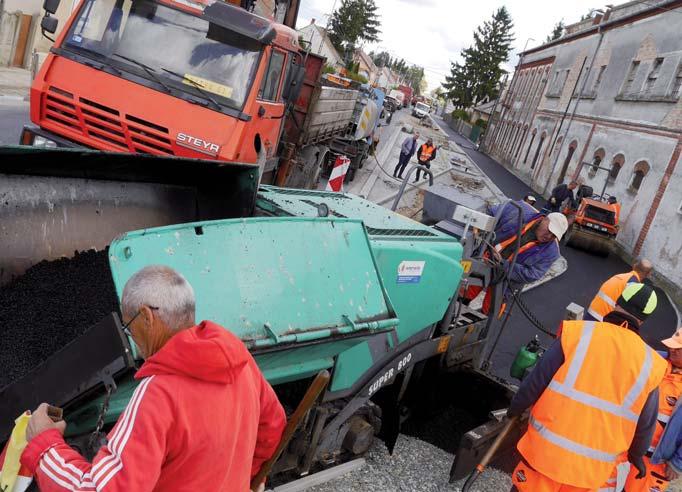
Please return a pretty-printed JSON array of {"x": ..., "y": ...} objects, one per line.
[{"x": 270, "y": 110}]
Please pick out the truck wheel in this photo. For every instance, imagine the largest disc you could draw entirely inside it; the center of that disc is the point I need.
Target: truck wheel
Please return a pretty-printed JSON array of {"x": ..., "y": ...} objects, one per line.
[{"x": 350, "y": 175}]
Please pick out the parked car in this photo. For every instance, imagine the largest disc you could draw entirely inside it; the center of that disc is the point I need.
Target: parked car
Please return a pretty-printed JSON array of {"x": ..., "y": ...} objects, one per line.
[{"x": 421, "y": 110}]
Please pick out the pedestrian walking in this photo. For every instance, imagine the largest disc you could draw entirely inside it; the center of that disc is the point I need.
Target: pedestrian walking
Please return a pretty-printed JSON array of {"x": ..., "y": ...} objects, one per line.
[
  {"x": 663, "y": 460},
  {"x": 594, "y": 398},
  {"x": 560, "y": 194},
  {"x": 425, "y": 154},
  {"x": 203, "y": 417},
  {"x": 608, "y": 294},
  {"x": 407, "y": 150}
]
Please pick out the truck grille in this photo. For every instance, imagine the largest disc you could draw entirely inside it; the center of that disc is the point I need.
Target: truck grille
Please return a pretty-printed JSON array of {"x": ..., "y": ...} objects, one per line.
[{"x": 95, "y": 121}]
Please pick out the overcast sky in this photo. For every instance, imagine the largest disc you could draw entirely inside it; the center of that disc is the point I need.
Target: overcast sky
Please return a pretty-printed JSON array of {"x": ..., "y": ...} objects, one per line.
[{"x": 431, "y": 33}]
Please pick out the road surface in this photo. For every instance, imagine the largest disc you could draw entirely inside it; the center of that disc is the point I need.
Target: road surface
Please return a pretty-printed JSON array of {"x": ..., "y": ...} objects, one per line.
[
  {"x": 13, "y": 116},
  {"x": 579, "y": 284}
]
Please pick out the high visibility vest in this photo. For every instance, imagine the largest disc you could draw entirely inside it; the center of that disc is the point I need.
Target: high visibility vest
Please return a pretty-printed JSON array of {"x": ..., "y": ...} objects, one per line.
[
  {"x": 586, "y": 418},
  {"x": 669, "y": 392},
  {"x": 426, "y": 152},
  {"x": 605, "y": 300},
  {"x": 524, "y": 247}
]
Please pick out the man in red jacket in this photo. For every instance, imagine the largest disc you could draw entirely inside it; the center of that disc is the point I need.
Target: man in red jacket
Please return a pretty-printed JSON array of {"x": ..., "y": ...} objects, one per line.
[{"x": 202, "y": 417}]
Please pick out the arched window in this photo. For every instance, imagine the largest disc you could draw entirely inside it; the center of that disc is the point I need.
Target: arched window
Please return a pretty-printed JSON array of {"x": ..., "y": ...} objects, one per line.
[
  {"x": 523, "y": 137},
  {"x": 596, "y": 162},
  {"x": 641, "y": 170},
  {"x": 564, "y": 169},
  {"x": 532, "y": 138},
  {"x": 616, "y": 166},
  {"x": 537, "y": 151}
]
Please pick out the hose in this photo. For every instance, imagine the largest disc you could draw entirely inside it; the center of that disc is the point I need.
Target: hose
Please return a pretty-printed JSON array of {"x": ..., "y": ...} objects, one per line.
[{"x": 529, "y": 314}]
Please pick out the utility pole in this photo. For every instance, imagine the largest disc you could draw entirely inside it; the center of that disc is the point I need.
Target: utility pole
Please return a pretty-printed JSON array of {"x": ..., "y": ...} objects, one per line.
[{"x": 484, "y": 145}]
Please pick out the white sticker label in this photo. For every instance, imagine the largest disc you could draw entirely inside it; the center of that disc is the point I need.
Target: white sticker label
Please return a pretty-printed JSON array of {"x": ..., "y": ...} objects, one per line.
[{"x": 410, "y": 272}]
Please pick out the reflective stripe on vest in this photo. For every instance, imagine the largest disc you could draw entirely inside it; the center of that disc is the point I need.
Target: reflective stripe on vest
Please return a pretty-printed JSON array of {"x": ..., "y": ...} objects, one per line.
[
  {"x": 663, "y": 418},
  {"x": 606, "y": 299},
  {"x": 499, "y": 247},
  {"x": 568, "y": 390},
  {"x": 571, "y": 446},
  {"x": 603, "y": 303}
]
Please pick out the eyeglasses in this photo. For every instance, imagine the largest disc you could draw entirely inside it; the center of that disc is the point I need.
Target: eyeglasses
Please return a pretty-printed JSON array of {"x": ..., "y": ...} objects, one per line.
[{"x": 126, "y": 326}]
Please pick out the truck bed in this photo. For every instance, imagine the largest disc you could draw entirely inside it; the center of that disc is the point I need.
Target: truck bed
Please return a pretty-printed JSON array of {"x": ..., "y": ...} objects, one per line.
[{"x": 330, "y": 115}]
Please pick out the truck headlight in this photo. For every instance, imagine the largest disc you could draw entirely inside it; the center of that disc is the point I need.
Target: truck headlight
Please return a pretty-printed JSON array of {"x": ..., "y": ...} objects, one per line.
[{"x": 43, "y": 142}]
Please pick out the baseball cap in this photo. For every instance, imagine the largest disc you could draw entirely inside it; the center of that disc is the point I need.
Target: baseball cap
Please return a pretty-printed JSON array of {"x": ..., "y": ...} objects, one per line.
[
  {"x": 639, "y": 300},
  {"x": 674, "y": 341},
  {"x": 531, "y": 198},
  {"x": 558, "y": 224}
]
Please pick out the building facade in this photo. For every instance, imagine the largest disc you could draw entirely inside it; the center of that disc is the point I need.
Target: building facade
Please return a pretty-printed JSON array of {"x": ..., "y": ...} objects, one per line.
[
  {"x": 366, "y": 66},
  {"x": 603, "y": 105},
  {"x": 320, "y": 44}
]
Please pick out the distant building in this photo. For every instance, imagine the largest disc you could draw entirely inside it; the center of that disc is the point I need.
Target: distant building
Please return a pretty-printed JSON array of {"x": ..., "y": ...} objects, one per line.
[
  {"x": 320, "y": 44},
  {"x": 366, "y": 68},
  {"x": 607, "y": 93}
]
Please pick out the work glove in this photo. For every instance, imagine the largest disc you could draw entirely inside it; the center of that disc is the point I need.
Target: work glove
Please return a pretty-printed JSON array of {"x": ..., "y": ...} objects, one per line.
[
  {"x": 552, "y": 201},
  {"x": 638, "y": 463}
]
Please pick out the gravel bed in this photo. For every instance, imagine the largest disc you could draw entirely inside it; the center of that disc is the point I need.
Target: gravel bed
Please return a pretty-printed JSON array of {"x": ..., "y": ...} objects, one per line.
[{"x": 415, "y": 466}]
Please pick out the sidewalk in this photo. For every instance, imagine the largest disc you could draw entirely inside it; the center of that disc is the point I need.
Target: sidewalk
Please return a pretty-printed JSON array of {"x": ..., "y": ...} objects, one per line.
[{"x": 14, "y": 84}]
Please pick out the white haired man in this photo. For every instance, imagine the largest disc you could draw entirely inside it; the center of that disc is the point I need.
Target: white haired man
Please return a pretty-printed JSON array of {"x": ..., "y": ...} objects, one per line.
[{"x": 202, "y": 418}]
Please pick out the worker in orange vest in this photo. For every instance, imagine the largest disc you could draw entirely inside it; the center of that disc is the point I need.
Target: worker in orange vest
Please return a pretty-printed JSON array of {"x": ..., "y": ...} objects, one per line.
[
  {"x": 538, "y": 247},
  {"x": 664, "y": 459},
  {"x": 594, "y": 399},
  {"x": 425, "y": 154},
  {"x": 605, "y": 300}
]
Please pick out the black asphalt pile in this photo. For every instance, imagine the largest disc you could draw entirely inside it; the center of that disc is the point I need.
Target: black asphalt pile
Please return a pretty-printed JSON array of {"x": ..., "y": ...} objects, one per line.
[{"x": 51, "y": 304}]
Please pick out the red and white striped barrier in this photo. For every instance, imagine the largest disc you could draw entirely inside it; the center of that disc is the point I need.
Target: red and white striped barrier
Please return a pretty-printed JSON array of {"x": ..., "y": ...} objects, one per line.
[{"x": 338, "y": 174}]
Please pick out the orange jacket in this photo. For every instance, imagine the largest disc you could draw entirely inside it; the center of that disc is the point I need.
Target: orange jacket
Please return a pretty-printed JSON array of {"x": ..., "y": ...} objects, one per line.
[
  {"x": 609, "y": 292},
  {"x": 668, "y": 393},
  {"x": 586, "y": 417}
]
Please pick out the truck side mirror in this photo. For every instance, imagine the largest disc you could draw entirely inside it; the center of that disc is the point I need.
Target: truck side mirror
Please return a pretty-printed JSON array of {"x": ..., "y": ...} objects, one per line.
[
  {"x": 51, "y": 6},
  {"x": 293, "y": 88},
  {"x": 49, "y": 24}
]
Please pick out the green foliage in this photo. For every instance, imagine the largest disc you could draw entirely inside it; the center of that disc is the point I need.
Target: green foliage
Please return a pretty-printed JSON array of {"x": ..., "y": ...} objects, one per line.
[
  {"x": 476, "y": 79},
  {"x": 412, "y": 75},
  {"x": 357, "y": 77},
  {"x": 557, "y": 32},
  {"x": 353, "y": 22},
  {"x": 460, "y": 114},
  {"x": 588, "y": 15},
  {"x": 481, "y": 123},
  {"x": 328, "y": 69}
]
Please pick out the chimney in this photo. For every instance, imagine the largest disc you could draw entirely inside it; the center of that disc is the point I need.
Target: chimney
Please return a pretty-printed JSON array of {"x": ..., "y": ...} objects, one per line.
[{"x": 312, "y": 21}]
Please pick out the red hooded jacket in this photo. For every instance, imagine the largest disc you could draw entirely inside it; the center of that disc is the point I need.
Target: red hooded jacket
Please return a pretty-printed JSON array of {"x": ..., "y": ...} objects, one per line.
[{"x": 202, "y": 418}]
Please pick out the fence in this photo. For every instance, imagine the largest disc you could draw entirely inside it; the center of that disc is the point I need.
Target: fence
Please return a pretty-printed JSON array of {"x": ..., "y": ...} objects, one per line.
[{"x": 472, "y": 132}]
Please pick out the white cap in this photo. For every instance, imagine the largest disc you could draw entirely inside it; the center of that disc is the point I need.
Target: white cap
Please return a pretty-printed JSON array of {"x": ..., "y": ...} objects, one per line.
[
  {"x": 531, "y": 198},
  {"x": 558, "y": 224}
]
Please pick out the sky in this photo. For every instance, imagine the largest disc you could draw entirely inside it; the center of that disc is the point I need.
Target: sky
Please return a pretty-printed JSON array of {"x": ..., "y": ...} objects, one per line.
[{"x": 431, "y": 33}]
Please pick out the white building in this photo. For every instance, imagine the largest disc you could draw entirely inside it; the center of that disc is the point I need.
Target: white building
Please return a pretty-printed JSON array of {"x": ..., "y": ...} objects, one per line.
[
  {"x": 320, "y": 44},
  {"x": 608, "y": 92}
]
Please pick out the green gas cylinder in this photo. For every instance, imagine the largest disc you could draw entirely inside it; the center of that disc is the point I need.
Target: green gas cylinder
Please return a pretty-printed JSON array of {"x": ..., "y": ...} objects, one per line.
[{"x": 525, "y": 359}]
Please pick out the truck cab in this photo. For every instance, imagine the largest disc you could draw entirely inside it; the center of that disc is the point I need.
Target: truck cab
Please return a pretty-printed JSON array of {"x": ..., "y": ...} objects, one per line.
[{"x": 196, "y": 79}]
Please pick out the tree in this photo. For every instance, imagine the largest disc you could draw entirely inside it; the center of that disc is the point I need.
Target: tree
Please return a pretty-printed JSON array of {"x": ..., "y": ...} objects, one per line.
[
  {"x": 381, "y": 59},
  {"x": 557, "y": 32},
  {"x": 476, "y": 79},
  {"x": 354, "y": 21}
]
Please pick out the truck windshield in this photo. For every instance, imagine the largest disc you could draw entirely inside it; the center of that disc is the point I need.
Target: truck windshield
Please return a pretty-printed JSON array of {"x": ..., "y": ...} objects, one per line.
[
  {"x": 153, "y": 41},
  {"x": 421, "y": 106}
]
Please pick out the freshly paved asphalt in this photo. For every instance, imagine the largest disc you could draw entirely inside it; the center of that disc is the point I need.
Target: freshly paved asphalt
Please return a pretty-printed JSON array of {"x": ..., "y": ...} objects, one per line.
[{"x": 579, "y": 284}]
